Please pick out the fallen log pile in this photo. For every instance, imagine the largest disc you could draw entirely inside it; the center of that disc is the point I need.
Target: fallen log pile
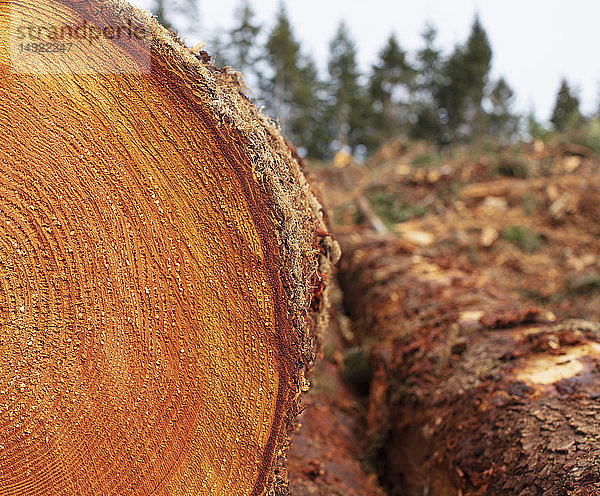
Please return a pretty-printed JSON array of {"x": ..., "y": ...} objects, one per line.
[{"x": 474, "y": 393}]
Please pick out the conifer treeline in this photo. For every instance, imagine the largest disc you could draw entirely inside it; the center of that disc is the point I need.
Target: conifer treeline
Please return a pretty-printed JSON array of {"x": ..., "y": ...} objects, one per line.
[{"x": 443, "y": 98}]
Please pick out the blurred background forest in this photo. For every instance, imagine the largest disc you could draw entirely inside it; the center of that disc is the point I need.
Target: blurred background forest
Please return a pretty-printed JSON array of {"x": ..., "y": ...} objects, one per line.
[{"x": 442, "y": 96}]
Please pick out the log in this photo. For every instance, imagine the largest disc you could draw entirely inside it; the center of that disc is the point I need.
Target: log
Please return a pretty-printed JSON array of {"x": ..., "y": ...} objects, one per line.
[
  {"x": 162, "y": 267},
  {"x": 474, "y": 393}
]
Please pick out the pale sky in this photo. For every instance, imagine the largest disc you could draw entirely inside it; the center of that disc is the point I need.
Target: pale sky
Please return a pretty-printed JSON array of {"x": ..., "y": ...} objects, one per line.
[{"x": 535, "y": 42}]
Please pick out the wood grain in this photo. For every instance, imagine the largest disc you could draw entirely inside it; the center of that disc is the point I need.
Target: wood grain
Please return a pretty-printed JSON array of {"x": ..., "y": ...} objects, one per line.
[{"x": 148, "y": 345}]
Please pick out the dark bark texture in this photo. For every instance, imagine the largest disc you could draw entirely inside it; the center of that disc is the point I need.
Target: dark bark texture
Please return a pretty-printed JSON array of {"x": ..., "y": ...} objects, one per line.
[{"x": 474, "y": 393}]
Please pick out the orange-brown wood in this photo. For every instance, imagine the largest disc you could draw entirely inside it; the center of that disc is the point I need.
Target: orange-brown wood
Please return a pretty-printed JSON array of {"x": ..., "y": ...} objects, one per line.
[{"x": 147, "y": 342}]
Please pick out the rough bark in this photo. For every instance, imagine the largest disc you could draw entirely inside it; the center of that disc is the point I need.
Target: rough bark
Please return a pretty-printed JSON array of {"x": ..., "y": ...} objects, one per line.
[
  {"x": 474, "y": 393},
  {"x": 162, "y": 267}
]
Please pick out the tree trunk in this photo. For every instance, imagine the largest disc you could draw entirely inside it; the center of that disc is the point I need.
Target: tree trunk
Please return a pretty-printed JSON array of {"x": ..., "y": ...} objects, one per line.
[
  {"x": 473, "y": 392},
  {"x": 162, "y": 263}
]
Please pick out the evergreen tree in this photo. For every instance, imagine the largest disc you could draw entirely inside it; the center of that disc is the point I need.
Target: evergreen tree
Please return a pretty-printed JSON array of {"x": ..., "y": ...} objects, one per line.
[
  {"x": 309, "y": 124},
  {"x": 465, "y": 78},
  {"x": 346, "y": 109},
  {"x": 243, "y": 45},
  {"x": 429, "y": 62},
  {"x": 477, "y": 59},
  {"x": 391, "y": 85},
  {"x": 501, "y": 120},
  {"x": 566, "y": 114},
  {"x": 429, "y": 68},
  {"x": 282, "y": 54},
  {"x": 290, "y": 89},
  {"x": 452, "y": 95}
]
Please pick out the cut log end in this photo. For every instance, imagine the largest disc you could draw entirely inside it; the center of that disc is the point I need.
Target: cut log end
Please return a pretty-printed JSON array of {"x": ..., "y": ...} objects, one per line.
[{"x": 162, "y": 261}]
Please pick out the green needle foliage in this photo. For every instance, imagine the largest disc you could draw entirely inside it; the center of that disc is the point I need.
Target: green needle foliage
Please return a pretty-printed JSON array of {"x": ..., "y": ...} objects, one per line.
[
  {"x": 391, "y": 86},
  {"x": 346, "y": 97},
  {"x": 425, "y": 121},
  {"x": 243, "y": 40},
  {"x": 290, "y": 86},
  {"x": 566, "y": 115},
  {"x": 465, "y": 78}
]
